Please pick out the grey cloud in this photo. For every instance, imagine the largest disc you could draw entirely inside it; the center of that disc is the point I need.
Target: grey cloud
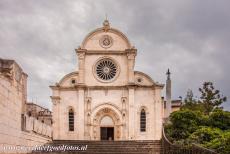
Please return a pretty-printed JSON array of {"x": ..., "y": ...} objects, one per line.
[{"x": 190, "y": 37}]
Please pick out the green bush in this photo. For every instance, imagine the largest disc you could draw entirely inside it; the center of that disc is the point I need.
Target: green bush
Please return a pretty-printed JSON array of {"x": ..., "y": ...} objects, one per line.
[
  {"x": 205, "y": 134},
  {"x": 210, "y": 131},
  {"x": 219, "y": 119},
  {"x": 185, "y": 122}
]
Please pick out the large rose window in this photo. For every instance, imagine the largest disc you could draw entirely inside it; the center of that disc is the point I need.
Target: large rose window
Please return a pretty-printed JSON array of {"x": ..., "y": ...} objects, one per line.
[{"x": 106, "y": 69}]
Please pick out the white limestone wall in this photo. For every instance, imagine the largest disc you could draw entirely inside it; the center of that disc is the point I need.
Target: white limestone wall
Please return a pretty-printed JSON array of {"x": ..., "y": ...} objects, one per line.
[
  {"x": 158, "y": 110},
  {"x": 34, "y": 125},
  {"x": 109, "y": 96},
  {"x": 149, "y": 100},
  {"x": 119, "y": 42},
  {"x": 10, "y": 104},
  {"x": 69, "y": 98},
  {"x": 11, "y": 137},
  {"x": 11, "y": 133}
]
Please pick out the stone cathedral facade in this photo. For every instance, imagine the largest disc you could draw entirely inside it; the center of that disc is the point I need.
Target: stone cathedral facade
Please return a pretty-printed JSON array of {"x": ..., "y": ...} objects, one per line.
[{"x": 105, "y": 98}]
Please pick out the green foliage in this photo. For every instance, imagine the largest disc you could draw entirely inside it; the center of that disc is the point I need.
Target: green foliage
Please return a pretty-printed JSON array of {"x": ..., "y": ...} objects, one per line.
[
  {"x": 210, "y": 98},
  {"x": 201, "y": 121},
  {"x": 185, "y": 122},
  {"x": 219, "y": 119},
  {"x": 204, "y": 135},
  {"x": 211, "y": 131},
  {"x": 225, "y": 148},
  {"x": 191, "y": 103},
  {"x": 221, "y": 144}
]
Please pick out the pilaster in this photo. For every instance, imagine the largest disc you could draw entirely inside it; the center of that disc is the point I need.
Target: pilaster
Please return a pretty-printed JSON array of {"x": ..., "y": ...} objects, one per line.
[
  {"x": 81, "y": 64},
  {"x": 132, "y": 116},
  {"x": 131, "y": 54},
  {"x": 81, "y": 113},
  {"x": 56, "y": 116}
]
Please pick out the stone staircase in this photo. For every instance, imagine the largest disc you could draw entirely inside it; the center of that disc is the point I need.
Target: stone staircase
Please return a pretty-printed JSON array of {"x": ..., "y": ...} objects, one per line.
[{"x": 108, "y": 147}]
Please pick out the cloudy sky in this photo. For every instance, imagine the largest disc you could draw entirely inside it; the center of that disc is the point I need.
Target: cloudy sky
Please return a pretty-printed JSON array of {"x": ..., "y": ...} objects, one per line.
[{"x": 191, "y": 37}]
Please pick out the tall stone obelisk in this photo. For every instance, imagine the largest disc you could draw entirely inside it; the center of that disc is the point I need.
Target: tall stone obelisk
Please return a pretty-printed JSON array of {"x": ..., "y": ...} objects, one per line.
[{"x": 168, "y": 95}]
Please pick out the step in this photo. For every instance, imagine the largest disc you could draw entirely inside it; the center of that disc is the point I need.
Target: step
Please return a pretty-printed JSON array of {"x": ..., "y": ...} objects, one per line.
[{"x": 103, "y": 147}]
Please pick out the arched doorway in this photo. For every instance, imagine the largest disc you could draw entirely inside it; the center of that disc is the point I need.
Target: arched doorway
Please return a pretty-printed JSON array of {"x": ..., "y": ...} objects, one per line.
[
  {"x": 107, "y": 128},
  {"x": 106, "y": 124}
]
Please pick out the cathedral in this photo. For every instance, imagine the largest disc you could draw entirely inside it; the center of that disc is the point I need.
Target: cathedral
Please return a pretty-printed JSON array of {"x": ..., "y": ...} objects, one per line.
[{"x": 105, "y": 98}]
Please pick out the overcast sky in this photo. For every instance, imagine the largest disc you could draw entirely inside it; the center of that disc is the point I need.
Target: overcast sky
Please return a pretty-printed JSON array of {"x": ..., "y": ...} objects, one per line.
[{"x": 191, "y": 37}]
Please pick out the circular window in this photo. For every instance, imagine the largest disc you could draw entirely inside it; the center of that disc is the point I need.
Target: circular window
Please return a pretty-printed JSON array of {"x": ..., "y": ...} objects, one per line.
[
  {"x": 106, "y": 69},
  {"x": 139, "y": 80}
]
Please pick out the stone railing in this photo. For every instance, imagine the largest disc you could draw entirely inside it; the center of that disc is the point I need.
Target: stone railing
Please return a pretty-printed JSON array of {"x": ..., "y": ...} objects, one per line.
[
  {"x": 36, "y": 126},
  {"x": 170, "y": 148}
]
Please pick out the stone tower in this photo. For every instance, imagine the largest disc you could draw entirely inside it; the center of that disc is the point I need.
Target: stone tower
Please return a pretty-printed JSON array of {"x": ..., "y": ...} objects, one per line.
[{"x": 168, "y": 95}]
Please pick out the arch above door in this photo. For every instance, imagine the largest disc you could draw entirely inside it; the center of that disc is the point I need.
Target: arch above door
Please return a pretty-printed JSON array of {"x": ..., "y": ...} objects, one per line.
[{"x": 112, "y": 118}]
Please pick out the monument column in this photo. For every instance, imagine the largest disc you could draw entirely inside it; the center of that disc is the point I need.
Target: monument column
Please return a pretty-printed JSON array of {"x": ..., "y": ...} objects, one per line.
[{"x": 168, "y": 95}]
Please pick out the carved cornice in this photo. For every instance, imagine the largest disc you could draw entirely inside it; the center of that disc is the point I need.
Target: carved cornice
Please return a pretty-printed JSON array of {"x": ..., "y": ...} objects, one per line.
[
  {"x": 56, "y": 98},
  {"x": 84, "y": 87},
  {"x": 111, "y": 52}
]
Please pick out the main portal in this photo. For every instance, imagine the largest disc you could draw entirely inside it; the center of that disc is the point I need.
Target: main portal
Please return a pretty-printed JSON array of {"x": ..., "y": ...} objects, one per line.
[{"x": 107, "y": 133}]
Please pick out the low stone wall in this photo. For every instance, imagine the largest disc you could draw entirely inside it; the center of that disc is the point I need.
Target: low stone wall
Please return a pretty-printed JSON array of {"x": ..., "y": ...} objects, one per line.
[
  {"x": 34, "y": 125},
  {"x": 13, "y": 139},
  {"x": 20, "y": 141}
]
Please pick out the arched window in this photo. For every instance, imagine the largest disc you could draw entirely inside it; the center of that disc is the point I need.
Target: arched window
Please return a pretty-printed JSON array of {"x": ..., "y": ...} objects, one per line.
[
  {"x": 71, "y": 120},
  {"x": 143, "y": 121}
]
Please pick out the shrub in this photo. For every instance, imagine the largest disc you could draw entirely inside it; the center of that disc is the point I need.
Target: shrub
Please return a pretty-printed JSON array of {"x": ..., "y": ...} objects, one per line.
[
  {"x": 185, "y": 122},
  {"x": 220, "y": 119}
]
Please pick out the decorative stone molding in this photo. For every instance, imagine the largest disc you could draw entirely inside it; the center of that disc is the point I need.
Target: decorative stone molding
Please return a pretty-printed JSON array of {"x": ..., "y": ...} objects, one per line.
[
  {"x": 106, "y": 110},
  {"x": 124, "y": 102},
  {"x": 55, "y": 99},
  {"x": 106, "y": 41},
  {"x": 98, "y": 117},
  {"x": 81, "y": 55},
  {"x": 88, "y": 101}
]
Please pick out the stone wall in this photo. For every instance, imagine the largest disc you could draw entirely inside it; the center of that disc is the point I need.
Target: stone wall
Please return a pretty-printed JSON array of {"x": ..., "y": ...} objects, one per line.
[{"x": 16, "y": 128}]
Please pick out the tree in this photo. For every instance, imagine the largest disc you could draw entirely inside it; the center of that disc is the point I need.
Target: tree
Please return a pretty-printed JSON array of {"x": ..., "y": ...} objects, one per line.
[
  {"x": 201, "y": 121},
  {"x": 189, "y": 100},
  {"x": 191, "y": 103},
  {"x": 210, "y": 98}
]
